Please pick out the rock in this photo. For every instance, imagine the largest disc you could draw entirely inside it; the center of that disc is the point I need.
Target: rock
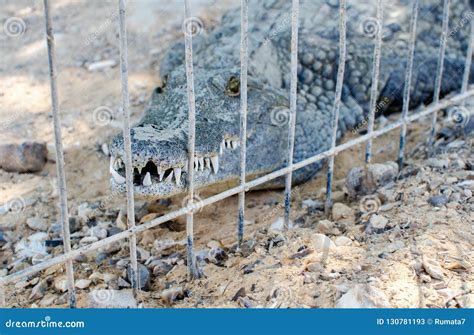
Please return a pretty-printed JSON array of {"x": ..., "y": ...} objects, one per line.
[
  {"x": 394, "y": 246},
  {"x": 83, "y": 283},
  {"x": 217, "y": 255},
  {"x": 432, "y": 268},
  {"x": 377, "y": 224},
  {"x": 111, "y": 299},
  {"x": 161, "y": 268},
  {"x": 26, "y": 157},
  {"x": 148, "y": 237},
  {"x": 278, "y": 226},
  {"x": 123, "y": 283},
  {"x": 84, "y": 212},
  {"x": 37, "y": 224},
  {"x": 466, "y": 301},
  {"x": 342, "y": 241},
  {"x": 326, "y": 227},
  {"x": 48, "y": 300},
  {"x": 321, "y": 242},
  {"x": 143, "y": 276},
  {"x": 366, "y": 180},
  {"x": 60, "y": 284},
  {"x": 312, "y": 205},
  {"x": 39, "y": 290},
  {"x": 98, "y": 232},
  {"x": 172, "y": 294},
  {"x": 102, "y": 65},
  {"x": 341, "y": 211},
  {"x": 438, "y": 200},
  {"x": 239, "y": 294},
  {"x": 438, "y": 163},
  {"x": 363, "y": 296},
  {"x": 315, "y": 267}
]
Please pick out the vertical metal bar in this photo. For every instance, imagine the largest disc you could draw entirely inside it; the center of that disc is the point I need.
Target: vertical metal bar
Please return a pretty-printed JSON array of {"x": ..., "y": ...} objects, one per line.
[
  {"x": 293, "y": 100},
  {"x": 188, "y": 41},
  {"x": 408, "y": 76},
  {"x": 375, "y": 79},
  {"x": 467, "y": 65},
  {"x": 127, "y": 145},
  {"x": 337, "y": 100},
  {"x": 59, "y": 153},
  {"x": 439, "y": 73},
  {"x": 244, "y": 22}
]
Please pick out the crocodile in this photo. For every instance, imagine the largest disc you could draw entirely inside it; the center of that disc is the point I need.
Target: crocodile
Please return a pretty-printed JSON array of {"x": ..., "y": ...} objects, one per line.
[{"x": 159, "y": 140}]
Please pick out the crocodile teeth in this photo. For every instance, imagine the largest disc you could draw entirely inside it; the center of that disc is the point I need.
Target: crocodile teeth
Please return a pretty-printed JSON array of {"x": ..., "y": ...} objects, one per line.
[
  {"x": 215, "y": 163},
  {"x": 147, "y": 179},
  {"x": 201, "y": 163},
  {"x": 221, "y": 148},
  {"x": 227, "y": 144},
  {"x": 207, "y": 163},
  {"x": 196, "y": 164},
  {"x": 117, "y": 177},
  {"x": 169, "y": 179},
  {"x": 177, "y": 175},
  {"x": 234, "y": 144}
]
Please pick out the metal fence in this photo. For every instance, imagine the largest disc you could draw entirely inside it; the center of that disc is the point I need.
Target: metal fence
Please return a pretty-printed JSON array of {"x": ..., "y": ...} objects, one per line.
[{"x": 69, "y": 255}]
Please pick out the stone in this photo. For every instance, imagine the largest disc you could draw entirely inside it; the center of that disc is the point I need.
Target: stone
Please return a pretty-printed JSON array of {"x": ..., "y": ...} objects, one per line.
[
  {"x": 321, "y": 242},
  {"x": 342, "y": 241},
  {"x": 143, "y": 276},
  {"x": 111, "y": 299},
  {"x": 432, "y": 268},
  {"x": 325, "y": 227},
  {"x": 172, "y": 294},
  {"x": 341, "y": 211},
  {"x": 161, "y": 268},
  {"x": 377, "y": 224},
  {"x": 60, "y": 284},
  {"x": 363, "y": 296},
  {"x": 48, "y": 300},
  {"x": 102, "y": 65},
  {"x": 366, "y": 180},
  {"x": 98, "y": 232},
  {"x": 312, "y": 205},
  {"x": 438, "y": 200},
  {"x": 25, "y": 157},
  {"x": 39, "y": 290},
  {"x": 438, "y": 163},
  {"x": 217, "y": 255},
  {"x": 83, "y": 283},
  {"x": 37, "y": 224}
]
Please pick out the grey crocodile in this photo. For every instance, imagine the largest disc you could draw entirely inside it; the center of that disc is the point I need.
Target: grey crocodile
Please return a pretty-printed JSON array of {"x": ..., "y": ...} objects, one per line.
[{"x": 159, "y": 141}]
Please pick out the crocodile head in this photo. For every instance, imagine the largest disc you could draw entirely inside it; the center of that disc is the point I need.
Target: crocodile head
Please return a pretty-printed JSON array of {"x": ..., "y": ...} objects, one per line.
[{"x": 159, "y": 142}]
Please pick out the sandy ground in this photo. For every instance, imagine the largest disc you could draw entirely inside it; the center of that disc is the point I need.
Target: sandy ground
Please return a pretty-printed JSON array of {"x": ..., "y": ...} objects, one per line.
[{"x": 268, "y": 274}]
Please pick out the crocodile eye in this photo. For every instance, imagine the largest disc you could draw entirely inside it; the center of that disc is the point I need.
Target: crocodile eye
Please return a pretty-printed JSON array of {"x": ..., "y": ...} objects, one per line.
[{"x": 233, "y": 87}]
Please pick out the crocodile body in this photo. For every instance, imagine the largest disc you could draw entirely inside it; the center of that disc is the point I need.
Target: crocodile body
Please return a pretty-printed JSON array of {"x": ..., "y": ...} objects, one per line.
[{"x": 159, "y": 141}]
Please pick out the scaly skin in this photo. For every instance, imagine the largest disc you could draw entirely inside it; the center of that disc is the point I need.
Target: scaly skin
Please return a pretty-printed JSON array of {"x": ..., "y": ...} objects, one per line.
[{"x": 159, "y": 141}]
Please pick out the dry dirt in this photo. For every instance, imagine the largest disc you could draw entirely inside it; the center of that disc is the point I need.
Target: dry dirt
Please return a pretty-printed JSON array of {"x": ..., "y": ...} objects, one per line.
[{"x": 275, "y": 269}]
